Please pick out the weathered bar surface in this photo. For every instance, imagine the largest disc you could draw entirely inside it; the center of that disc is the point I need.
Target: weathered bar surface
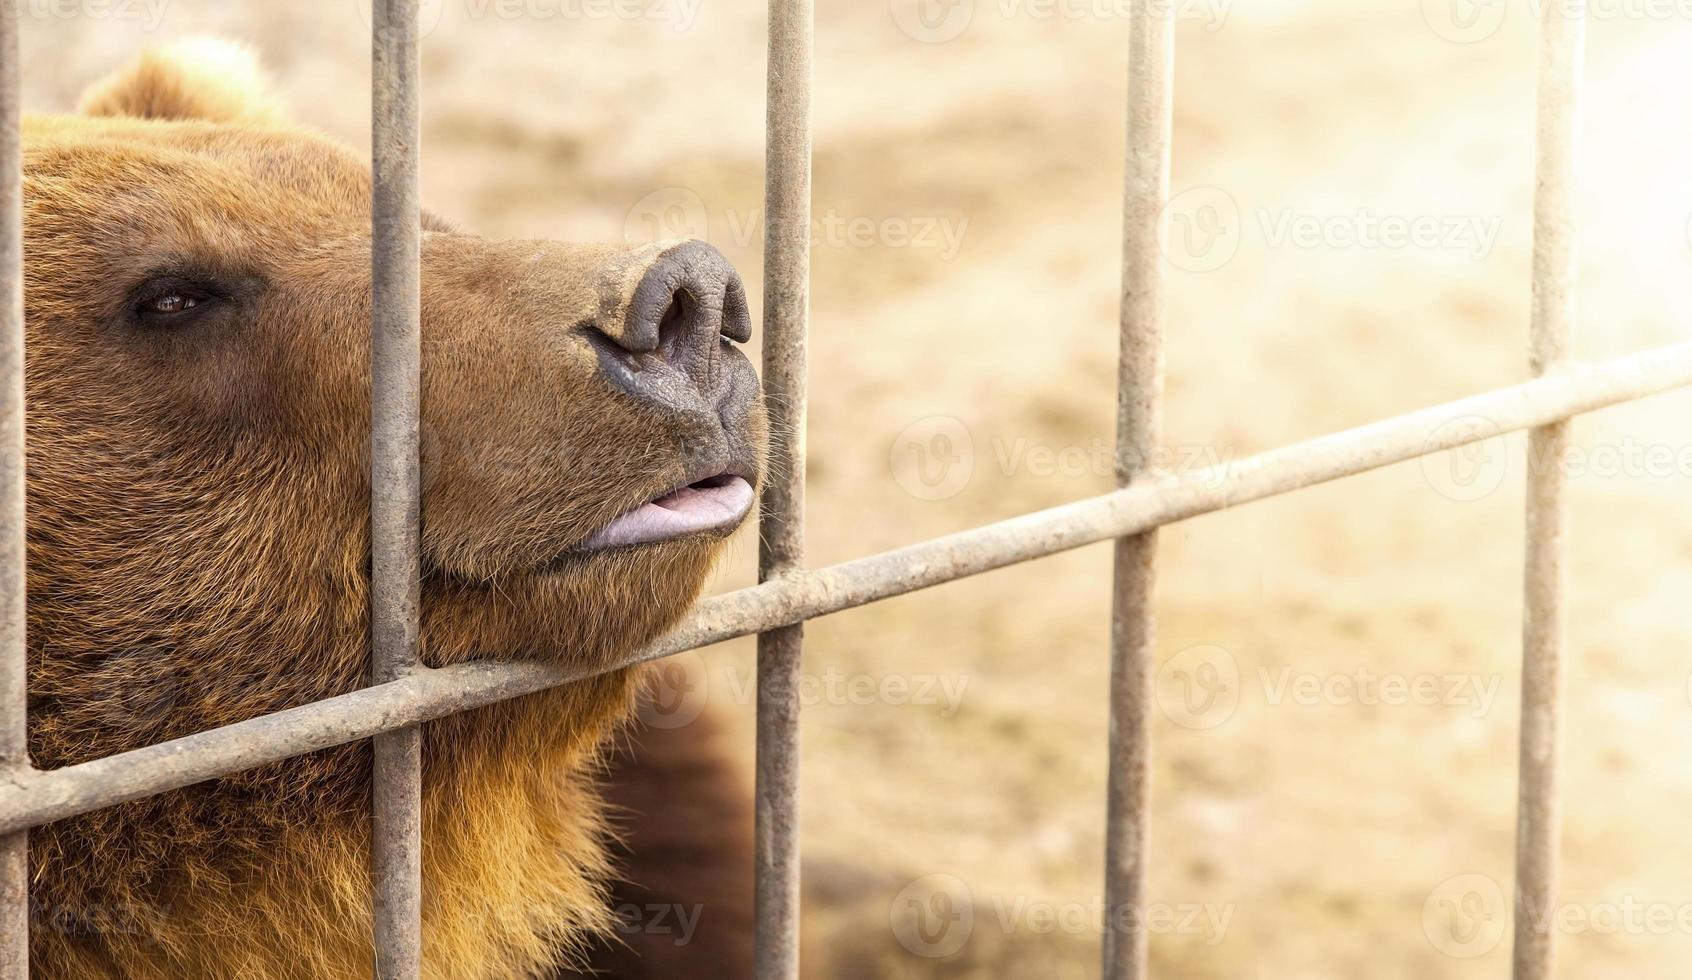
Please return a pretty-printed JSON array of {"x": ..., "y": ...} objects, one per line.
[
  {"x": 394, "y": 479},
  {"x": 787, "y": 257},
  {"x": 14, "y": 742},
  {"x": 1133, "y": 619},
  {"x": 1562, "y": 47},
  {"x": 38, "y": 797}
]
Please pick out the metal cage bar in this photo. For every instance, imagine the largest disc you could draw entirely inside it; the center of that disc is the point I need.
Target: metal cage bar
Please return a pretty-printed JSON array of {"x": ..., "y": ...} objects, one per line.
[
  {"x": 787, "y": 299},
  {"x": 1139, "y": 396},
  {"x": 1562, "y": 47},
  {"x": 14, "y": 734},
  {"x": 396, "y": 238}
]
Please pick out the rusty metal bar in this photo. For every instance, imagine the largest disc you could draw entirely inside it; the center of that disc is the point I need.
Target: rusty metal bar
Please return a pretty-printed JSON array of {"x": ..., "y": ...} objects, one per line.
[
  {"x": 1562, "y": 48},
  {"x": 35, "y": 798},
  {"x": 787, "y": 306},
  {"x": 397, "y": 826},
  {"x": 14, "y": 730},
  {"x": 1139, "y": 396}
]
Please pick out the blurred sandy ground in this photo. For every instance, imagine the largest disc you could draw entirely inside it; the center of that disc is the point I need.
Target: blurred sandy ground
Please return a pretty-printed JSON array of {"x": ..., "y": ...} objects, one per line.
[{"x": 1326, "y": 834}]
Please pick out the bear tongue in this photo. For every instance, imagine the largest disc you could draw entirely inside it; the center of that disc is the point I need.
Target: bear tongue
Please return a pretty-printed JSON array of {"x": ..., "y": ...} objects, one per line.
[{"x": 708, "y": 505}]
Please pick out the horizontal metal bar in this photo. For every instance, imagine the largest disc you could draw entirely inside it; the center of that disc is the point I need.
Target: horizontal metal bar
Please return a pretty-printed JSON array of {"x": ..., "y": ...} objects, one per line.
[{"x": 37, "y": 797}]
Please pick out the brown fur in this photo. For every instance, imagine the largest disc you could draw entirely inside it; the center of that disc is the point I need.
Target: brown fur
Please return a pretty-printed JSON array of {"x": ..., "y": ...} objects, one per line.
[
  {"x": 683, "y": 901},
  {"x": 198, "y": 545}
]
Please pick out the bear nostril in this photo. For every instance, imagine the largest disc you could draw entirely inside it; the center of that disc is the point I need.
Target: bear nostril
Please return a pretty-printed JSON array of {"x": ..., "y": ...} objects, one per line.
[
  {"x": 682, "y": 308},
  {"x": 673, "y": 328}
]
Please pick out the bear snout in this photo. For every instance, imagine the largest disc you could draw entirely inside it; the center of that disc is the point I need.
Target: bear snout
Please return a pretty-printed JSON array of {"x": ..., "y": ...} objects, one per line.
[{"x": 671, "y": 346}]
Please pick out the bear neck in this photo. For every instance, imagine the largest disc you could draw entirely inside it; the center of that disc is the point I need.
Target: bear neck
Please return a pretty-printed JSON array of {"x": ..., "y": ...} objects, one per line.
[{"x": 515, "y": 861}]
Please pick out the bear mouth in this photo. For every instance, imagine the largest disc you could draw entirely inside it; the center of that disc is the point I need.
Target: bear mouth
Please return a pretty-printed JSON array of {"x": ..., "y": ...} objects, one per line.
[{"x": 716, "y": 503}]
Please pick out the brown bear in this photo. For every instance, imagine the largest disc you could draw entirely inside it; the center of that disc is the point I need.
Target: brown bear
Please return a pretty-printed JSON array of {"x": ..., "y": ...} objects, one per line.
[{"x": 197, "y": 303}]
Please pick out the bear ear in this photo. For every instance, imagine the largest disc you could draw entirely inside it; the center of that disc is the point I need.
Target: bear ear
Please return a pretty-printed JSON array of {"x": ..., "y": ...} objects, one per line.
[{"x": 195, "y": 78}]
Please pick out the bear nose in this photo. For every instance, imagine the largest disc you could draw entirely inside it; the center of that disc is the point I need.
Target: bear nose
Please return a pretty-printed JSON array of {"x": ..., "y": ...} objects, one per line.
[{"x": 668, "y": 345}]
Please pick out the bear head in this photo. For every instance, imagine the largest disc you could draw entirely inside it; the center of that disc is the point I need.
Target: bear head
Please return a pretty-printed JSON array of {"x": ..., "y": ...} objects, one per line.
[{"x": 198, "y": 317}]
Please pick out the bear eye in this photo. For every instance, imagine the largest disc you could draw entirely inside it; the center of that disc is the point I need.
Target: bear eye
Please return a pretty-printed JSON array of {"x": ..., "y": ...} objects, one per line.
[
  {"x": 174, "y": 303},
  {"x": 172, "y": 300}
]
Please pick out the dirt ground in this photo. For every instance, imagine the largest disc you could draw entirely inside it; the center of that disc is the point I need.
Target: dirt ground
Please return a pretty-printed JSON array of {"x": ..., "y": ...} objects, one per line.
[{"x": 1335, "y": 758}]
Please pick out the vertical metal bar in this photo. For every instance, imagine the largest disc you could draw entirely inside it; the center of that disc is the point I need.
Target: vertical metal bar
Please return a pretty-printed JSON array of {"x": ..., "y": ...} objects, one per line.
[
  {"x": 14, "y": 742},
  {"x": 1562, "y": 48},
  {"x": 1138, "y": 421},
  {"x": 787, "y": 302},
  {"x": 397, "y": 830}
]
